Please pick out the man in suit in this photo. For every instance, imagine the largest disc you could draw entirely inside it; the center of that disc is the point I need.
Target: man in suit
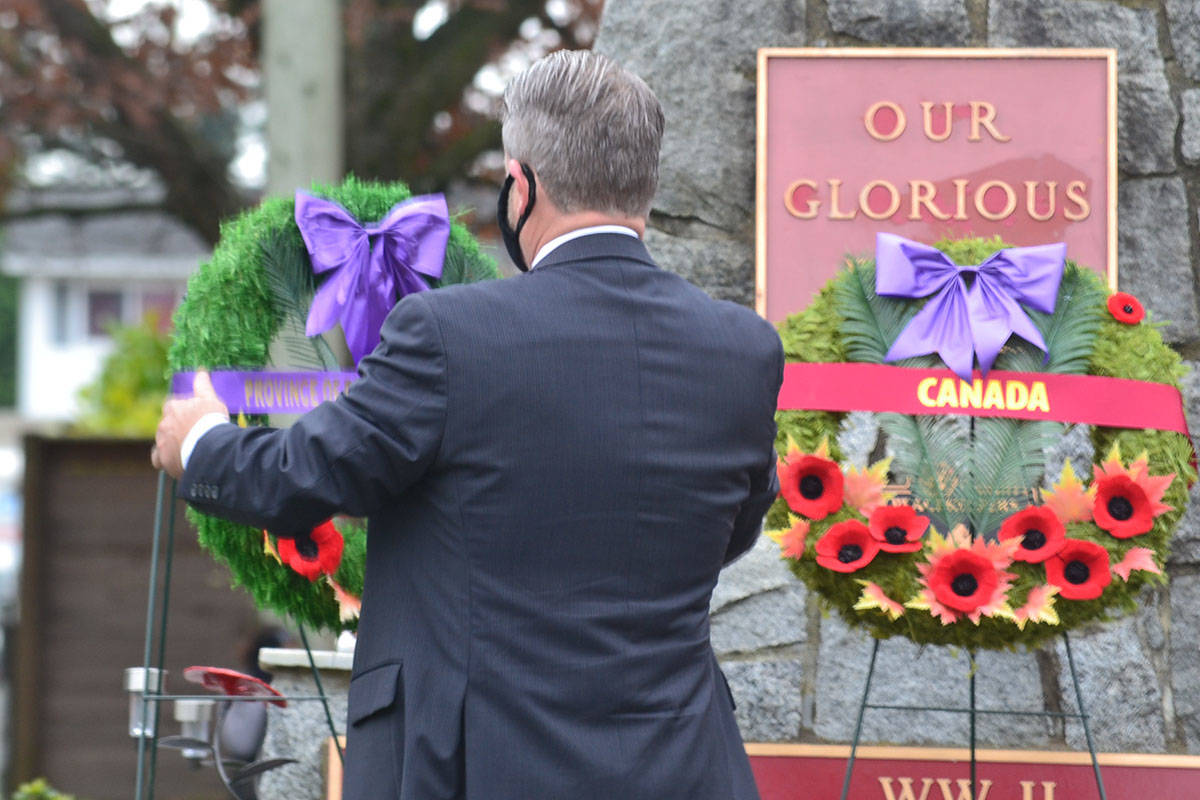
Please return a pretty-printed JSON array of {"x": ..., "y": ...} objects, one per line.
[{"x": 555, "y": 467}]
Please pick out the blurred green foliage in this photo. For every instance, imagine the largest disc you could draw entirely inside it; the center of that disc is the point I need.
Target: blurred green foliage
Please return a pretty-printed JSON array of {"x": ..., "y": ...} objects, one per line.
[
  {"x": 39, "y": 790},
  {"x": 126, "y": 399}
]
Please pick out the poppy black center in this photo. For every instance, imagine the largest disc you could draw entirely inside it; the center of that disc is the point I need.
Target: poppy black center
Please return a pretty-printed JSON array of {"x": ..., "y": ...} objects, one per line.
[
  {"x": 849, "y": 553},
  {"x": 964, "y": 585},
  {"x": 895, "y": 535},
  {"x": 1119, "y": 508},
  {"x": 1128, "y": 309},
  {"x": 307, "y": 548},
  {"x": 1033, "y": 539},
  {"x": 1076, "y": 572},
  {"x": 811, "y": 487}
]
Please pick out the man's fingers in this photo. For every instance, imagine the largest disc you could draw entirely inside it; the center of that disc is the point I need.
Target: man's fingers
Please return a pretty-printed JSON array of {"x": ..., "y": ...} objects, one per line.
[{"x": 202, "y": 385}]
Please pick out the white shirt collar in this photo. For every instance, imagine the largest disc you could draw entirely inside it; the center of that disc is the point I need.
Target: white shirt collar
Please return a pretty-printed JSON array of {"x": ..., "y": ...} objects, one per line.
[{"x": 559, "y": 241}]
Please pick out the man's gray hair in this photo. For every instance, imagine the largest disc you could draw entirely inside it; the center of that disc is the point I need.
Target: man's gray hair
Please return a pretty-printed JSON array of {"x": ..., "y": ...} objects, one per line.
[{"x": 589, "y": 129}]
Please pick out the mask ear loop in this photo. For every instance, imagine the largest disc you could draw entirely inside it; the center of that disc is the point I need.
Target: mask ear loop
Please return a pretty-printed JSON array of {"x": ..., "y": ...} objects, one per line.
[
  {"x": 528, "y": 172},
  {"x": 512, "y": 236}
]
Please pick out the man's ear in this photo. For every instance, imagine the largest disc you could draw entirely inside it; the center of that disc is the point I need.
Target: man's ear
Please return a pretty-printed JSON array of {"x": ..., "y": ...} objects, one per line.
[{"x": 518, "y": 196}]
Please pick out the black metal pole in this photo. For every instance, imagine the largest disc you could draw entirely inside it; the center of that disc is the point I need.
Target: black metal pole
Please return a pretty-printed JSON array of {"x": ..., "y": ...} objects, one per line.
[
  {"x": 321, "y": 691},
  {"x": 1083, "y": 717},
  {"x": 150, "y": 604},
  {"x": 972, "y": 717},
  {"x": 862, "y": 707},
  {"x": 162, "y": 635}
]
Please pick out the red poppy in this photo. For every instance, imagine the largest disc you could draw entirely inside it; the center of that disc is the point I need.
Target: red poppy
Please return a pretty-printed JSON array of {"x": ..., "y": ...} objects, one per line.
[
  {"x": 846, "y": 547},
  {"x": 313, "y": 554},
  {"x": 1126, "y": 308},
  {"x": 1040, "y": 530},
  {"x": 1080, "y": 570},
  {"x": 1121, "y": 507},
  {"x": 898, "y": 529},
  {"x": 811, "y": 485},
  {"x": 964, "y": 580}
]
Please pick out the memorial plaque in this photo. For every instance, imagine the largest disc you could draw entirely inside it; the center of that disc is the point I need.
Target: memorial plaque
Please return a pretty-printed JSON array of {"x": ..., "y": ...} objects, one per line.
[
  {"x": 929, "y": 144},
  {"x": 795, "y": 771}
]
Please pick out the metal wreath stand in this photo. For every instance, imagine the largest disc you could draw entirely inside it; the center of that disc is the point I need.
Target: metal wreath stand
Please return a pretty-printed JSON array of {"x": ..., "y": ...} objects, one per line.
[
  {"x": 233, "y": 773},
  {"x": 973, "y": 711}
]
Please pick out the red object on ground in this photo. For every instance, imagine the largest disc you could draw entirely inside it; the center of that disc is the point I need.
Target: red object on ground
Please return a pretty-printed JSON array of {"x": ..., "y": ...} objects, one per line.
[{"x": 234, "y": 683}]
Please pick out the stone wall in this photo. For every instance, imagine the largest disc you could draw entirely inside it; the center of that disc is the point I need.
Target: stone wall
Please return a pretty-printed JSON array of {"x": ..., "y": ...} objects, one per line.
[{"x": 798, "y": 675}]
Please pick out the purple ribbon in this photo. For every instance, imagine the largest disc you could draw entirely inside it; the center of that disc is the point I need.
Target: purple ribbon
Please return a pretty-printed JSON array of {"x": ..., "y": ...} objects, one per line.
[
  {"x": 373, "y": 265},
  {"x": 268, "y": 392},
  {"x": 960, "y": 320}
]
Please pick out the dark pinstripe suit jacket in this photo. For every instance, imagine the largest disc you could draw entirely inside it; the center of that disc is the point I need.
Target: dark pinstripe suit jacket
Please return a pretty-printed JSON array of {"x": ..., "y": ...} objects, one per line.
[{"x": 555, "y": 468}]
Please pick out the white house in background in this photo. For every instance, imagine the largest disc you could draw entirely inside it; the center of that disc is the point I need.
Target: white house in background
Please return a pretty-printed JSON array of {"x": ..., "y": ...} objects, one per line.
[{"x": 86, "y": 257}]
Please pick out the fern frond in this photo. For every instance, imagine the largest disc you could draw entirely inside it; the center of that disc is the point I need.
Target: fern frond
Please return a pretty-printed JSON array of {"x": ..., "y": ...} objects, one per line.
[
  {"x": 1006, "y": 458},
  {"x": 1069, "y": 332},
  {"x": 870, "y": 323},
  {"x": 292, "y": 283},
  {"x": 932, "y": 452}
]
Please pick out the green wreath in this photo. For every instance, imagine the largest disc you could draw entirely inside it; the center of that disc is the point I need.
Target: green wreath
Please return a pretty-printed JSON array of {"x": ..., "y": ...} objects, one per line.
[
  {"x": 252, "y": 294},
  {"x": 897, "y": 550}
]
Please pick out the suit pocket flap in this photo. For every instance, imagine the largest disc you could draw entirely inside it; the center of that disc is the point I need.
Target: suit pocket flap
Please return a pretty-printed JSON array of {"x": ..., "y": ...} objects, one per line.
[{"x": 372, "y": 691}]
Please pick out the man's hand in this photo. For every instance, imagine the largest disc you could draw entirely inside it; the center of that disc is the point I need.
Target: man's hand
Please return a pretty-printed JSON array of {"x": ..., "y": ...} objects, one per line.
[{"x": 179, "y": 415}]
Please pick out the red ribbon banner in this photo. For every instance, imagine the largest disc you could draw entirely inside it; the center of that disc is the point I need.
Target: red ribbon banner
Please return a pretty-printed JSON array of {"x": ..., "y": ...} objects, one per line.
[{"x": 1089, "y": 399}]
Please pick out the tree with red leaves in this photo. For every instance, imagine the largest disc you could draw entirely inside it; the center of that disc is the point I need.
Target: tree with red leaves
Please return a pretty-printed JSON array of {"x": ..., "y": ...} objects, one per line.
[{"x": 132, "y": 90}]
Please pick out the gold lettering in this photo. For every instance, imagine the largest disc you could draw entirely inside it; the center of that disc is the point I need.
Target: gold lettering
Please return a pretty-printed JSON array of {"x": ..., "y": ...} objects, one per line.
[
  {"x": 248, "y": 389},
  {"x": 960, "y": 198},
  {"x": 983, "y": 114},
  {"x": 835, "y": 202},
  {"x": 970, "y": 395},
  {"x": 923, "y": 391},
  {"x": 1016, "y": 395},
  {"x": 1075, "y": 190},
  {"x": 947, "y": 127},
  {"x": 993, "y": 396},
  {"x": 814, "y": 205},
  {"x": 906, "y": 789},
  {"x": 923, "y": 194},
  {"x": 258, "y": 393},
  {"x": 865, "y": 195},
  {"x": 1031, "y": 199},
  {"x": 869, "y": 121},
  {"x": 1010, "y": 200},
  {"x": 1047, "y": 790},
  {"x": 1038, "y": 399},
  {"x": 947, "y": 396},
  {"x": 964, "y": 789}
]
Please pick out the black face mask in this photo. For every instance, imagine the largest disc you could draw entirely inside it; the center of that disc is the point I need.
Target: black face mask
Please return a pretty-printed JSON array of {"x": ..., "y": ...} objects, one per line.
[{"x": 511, "y": 235}]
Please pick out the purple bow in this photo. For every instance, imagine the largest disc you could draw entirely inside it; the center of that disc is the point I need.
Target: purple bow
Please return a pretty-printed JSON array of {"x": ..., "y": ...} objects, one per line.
[
  {"x": 373, "y": 265},
  {"x": 959, "y": 321}
]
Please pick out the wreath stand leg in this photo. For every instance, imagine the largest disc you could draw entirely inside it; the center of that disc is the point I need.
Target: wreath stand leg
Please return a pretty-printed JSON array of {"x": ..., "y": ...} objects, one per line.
[
  {"x": 147, "y": 751},
  {"x": 1083, "y": 717},
  {"x": 973, "y": 711},
  {"x": 312, "y": 664},
  {"x": 862, "y": 708}
]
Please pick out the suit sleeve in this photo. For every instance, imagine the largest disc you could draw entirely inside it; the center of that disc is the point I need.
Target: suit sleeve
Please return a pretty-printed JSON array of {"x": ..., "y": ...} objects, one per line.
[
  {"x": 764, "y": 484},
  {"x": 351, "y": 455}
]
